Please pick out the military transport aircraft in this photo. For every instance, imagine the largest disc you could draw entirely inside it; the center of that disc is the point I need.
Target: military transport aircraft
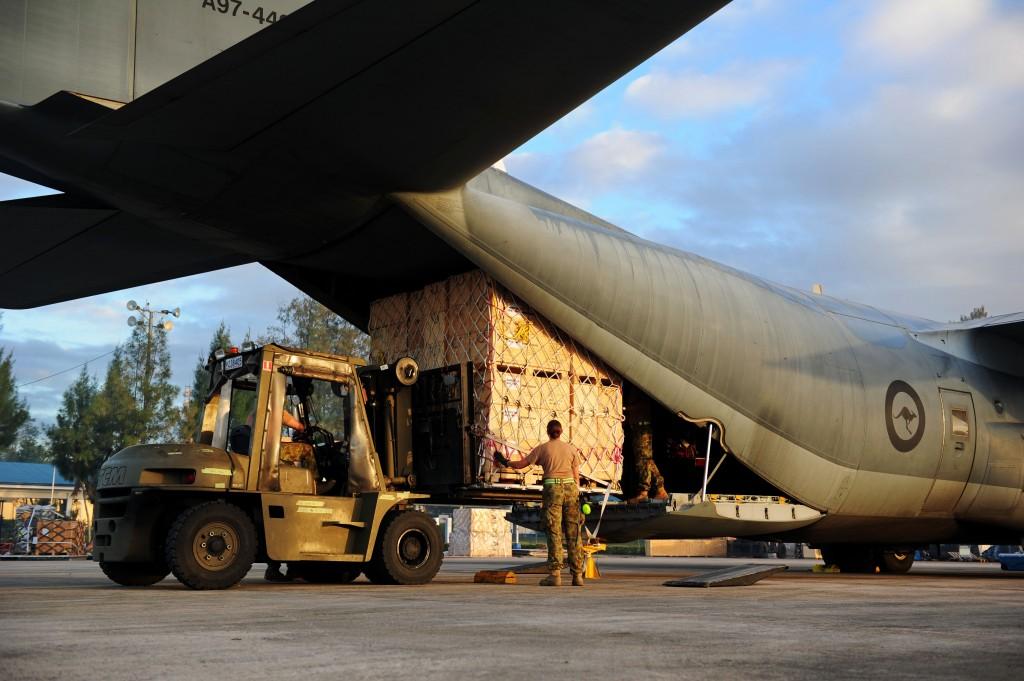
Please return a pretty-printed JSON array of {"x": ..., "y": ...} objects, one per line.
[{"x": 347, "y": 146}]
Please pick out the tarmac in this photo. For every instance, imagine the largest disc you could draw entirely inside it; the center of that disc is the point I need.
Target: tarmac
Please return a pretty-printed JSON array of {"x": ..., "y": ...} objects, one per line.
[{"x": 64, "y": 620}]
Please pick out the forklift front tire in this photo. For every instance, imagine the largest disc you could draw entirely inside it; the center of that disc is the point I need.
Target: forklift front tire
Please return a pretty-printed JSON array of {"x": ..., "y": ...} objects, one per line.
[
  {"x": 409, "y": 550},
  {"x": 211, "y": 546}
]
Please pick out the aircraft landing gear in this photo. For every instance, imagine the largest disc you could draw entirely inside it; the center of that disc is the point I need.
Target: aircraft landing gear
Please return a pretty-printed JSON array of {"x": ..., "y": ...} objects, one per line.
[
  {"x": 866, "y": 559},
  {"x": 896, "y": 561}
]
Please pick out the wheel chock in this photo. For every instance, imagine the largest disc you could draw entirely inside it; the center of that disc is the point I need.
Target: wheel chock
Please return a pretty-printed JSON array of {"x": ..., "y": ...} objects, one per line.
[
  {"x": 825, "y": 569},
  {"x": 495, "y": 577}
]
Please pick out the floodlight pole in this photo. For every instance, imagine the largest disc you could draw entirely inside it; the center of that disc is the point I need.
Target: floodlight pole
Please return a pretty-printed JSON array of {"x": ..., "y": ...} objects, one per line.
[{"x": 147, "y": 315}]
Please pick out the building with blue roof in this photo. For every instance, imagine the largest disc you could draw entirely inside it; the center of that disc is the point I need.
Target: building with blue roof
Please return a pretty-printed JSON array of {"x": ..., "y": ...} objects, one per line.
[{"x": 23, "y": 483}]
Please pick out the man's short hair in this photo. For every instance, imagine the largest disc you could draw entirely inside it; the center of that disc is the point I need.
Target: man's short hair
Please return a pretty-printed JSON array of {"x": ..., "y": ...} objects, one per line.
[{"x": 554, "y": 423}]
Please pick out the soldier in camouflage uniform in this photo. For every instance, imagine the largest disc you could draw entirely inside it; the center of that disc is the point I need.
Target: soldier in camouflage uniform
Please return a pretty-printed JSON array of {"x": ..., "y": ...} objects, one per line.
[
  {"x": 562, "y": 509},
  {"x": 647, "y": 474},
  {"x": 561, "y": 464}
]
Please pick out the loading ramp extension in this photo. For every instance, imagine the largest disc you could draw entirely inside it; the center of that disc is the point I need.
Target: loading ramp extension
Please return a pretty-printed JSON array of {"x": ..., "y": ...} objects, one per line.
[{"x": 740, "y": 575}]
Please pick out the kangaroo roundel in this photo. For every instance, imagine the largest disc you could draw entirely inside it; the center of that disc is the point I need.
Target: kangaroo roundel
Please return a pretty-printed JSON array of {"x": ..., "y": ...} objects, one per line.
[{"x": 904, "y": 416}]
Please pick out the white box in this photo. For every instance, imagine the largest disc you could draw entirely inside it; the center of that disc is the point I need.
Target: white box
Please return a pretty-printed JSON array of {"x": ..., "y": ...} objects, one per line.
[{"x": 480, "y": 532}]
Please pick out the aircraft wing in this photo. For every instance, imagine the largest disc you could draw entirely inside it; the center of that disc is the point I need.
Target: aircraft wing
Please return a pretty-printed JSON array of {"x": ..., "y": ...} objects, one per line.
[
  {"x": 993, "y": 342},
  {"x": 81, "y": 248},
  {"x": 403, "y": 94},
  {"x": 286, "y": 145},
  {"x": 1009, "y": 326}
]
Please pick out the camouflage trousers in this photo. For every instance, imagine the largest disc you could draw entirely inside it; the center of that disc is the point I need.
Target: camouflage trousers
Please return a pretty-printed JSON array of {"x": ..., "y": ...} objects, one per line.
[
  {"x": 647, "y": 475},
  {"x": 562, "y": 510}
]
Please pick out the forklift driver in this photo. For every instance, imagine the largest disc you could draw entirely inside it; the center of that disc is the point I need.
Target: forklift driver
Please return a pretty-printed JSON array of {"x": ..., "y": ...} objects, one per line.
[
  {"x": 289, "y": 421},
  {"x": 241, "y": 435}
]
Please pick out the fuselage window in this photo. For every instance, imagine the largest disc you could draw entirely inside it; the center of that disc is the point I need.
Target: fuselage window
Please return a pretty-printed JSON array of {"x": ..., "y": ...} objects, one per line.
[{"x": 961, "y": 424}]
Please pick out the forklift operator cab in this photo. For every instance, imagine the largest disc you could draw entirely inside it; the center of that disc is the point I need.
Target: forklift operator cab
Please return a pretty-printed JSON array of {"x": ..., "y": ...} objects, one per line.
[
  {"x": 331, "y": 455},
  {"x": 320, "y": 448}
]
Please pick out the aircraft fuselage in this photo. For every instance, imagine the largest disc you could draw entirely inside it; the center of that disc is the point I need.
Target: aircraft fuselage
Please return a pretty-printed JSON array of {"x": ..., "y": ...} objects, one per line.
[{"x": 848, "y": 409}]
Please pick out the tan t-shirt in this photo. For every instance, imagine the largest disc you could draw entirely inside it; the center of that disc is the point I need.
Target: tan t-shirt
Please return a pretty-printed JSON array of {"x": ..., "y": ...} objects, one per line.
[{"x": 557, "y": 458}]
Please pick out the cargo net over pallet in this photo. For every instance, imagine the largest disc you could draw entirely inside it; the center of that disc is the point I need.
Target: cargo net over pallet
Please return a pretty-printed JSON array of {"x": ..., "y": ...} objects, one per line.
[
  {"x": 525, "y": 373},
  {"x": 42, "y": 531}
]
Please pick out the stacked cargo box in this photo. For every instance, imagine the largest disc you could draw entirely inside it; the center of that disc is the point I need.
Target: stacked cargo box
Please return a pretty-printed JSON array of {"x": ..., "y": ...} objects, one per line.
[
  {"x": 526, "y": 372},
  {"x": 59, "y": 538}
]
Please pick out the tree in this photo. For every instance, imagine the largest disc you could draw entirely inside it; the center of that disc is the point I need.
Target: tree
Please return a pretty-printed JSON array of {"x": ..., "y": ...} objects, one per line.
[
  {"x": 307, "y": 324},
  {"x": 28, "y": 448},
  {"x": 114, "y": 415},
  {"x": 188, "y": 420},
  {"x": 147, "y": 366},
  {"x": 13, "y": 412},
  {"x": 71, "y": 437},
  {"x": 976, "y": 313}
]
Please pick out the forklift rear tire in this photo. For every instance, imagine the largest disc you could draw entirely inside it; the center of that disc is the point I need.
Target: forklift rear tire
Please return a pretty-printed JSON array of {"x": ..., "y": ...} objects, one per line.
[
  {"x": 325, "y": 572},
  {"x": 135, "y": 574},
  {"x": 896, "y": 562},
  {"x": 409, "y": 550},
  {"x": 211, "y": 546}
]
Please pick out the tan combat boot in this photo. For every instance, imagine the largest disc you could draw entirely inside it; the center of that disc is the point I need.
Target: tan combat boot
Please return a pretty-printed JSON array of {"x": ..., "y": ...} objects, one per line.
[
  {"x": 554, "y": 579},
  {"x": 661, "y": 495},
  {"x": 577, "y": 579},
  {"x": 641, "y": 497}
]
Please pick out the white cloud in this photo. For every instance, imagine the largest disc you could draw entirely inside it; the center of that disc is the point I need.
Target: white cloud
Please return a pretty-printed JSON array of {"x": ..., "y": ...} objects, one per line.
[
  {"x": 917, "y": 29},
  {"x": 695, "y": 94},
  {"x": 615, "y": 155},
  {"x": 972, "y": 48},
  {"x": 603, "y": 162}
]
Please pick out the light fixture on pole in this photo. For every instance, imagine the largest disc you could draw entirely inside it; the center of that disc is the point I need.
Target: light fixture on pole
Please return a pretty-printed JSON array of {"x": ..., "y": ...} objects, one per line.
[{"x": 150, "y": 319}]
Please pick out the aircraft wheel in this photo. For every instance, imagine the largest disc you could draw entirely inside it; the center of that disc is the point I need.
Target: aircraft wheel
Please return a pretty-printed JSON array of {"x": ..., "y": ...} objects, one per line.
[
  {"x": 325, "y": 572},
  {"x": 851, "y": 558},
  {"x": 135, "y": 574},
  {"x": 211, "y": 546},
  {"x": 896, "y": 562},
  {"x": 409, "y": 550}
]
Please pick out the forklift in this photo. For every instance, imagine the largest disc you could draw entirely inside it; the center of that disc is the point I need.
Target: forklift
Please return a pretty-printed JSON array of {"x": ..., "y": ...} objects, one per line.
[{"x": 284, "y": 469}]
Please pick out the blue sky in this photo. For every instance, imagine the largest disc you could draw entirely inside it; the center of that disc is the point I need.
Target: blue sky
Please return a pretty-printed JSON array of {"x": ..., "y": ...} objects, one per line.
[{"x": 874, "y": 147}]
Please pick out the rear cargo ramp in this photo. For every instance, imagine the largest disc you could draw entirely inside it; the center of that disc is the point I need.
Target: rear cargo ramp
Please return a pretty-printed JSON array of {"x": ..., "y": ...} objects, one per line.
[{"x": 688, "y": 516}]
